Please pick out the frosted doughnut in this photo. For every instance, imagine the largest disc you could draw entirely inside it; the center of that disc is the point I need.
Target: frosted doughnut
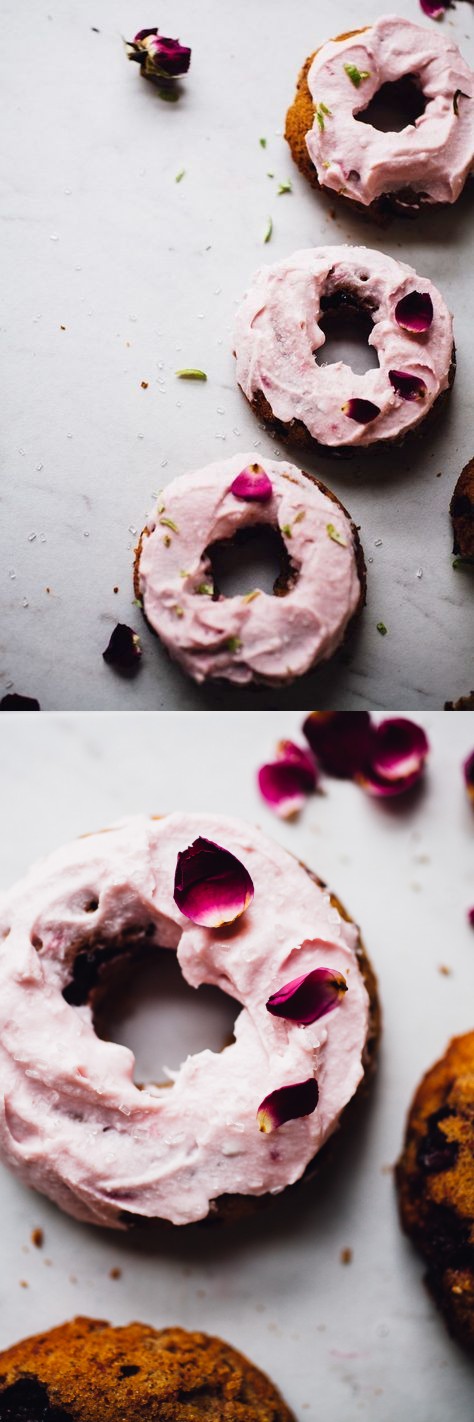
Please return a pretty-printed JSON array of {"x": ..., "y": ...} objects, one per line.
[
  {"x": 277, "y": 334},
  {"x": 428, "y": 161},
  {"x": 72, "y": 1122},
  {"x": 256, "y": 637}
]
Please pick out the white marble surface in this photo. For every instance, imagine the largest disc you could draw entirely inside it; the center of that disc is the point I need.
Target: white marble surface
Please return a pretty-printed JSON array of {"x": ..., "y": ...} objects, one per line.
[
  {"x": 144, "y": 273},
  {"x": 342, "y": 1342}
]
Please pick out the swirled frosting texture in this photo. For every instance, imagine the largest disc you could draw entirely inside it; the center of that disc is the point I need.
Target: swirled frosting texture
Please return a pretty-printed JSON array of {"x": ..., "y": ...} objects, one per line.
[
  {"x": 72, "y": 1122},
  {"x": 277, "y": 335},
  {"x": 270, "y": 639},
  {"x": 432, "y": 156}
]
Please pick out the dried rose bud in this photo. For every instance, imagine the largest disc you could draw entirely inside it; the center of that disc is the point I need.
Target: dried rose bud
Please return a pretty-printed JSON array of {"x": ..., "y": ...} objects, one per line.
[
  {"x": 159, "y": 57},
  {"x": 124, "y": 649},
  {"x": 397, "y": 758},
  {"x": 340, "y": 740},
  {"x": 468, "y": 769},
  {"x": 286, "y": 1104},
  {"x": 414, "y": 312},
  {"x": 361, "y": 410},
  {"x": 14, "y": 702},
  {"x": 307, "y": 998},
  {"x": 253, "y": 484},
  {"x": 410, "y": 387},
  {"x": 211, "y": 886},
  {"x": 285, "y": 782}
]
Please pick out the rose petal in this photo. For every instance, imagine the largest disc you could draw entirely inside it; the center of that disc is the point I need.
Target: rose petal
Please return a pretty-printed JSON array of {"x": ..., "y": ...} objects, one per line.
[
  {"x": 143, "y": 35},
  {"x": 211, "y": 886},
  {"x": 414, "y": 312},
  {"x": 340, "y": 740},
  {"x": 361, "y": 410},
  {"x": 124, "y": 650},
  {"x": 435, "y": 8},
  {"x": 253, "y": 484},
  {"x": 286, "y": 781},
  {"x": 468, "y": 769},
  {"x": 306, "y": 999},
  {"x": 410, "y": 387},
  {"x": 470, "y": 914},
  {"x": 286, "y": 1104},
  {"x": 397, "y": 758},
  {"x": 14, "y": 702}
]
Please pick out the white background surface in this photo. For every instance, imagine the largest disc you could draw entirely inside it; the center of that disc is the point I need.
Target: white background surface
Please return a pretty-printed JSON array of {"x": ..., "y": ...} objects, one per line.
[
  {"x": 362, "y": 1341},
  {"x": 145, "y": 274}
]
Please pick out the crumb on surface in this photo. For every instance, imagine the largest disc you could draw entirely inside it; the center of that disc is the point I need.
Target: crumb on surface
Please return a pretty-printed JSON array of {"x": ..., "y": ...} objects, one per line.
[
  {"x": 346, "y": 1255},
  {"x": 115, "y": 1273},
  {"x": 37, "y": 1238}
]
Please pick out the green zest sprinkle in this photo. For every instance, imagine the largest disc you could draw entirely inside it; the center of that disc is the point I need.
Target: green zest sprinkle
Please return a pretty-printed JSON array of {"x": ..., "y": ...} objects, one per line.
[
  {"x": 137, "y": 602},
  {"x": 233, "y": 644},
  {"x": 382, "y": 629},
  {"x": 191, "y": 374},
  {"x": 326, "y": 164},
  {"x": 300, "y": 516},
  {"x": 161, "y": 508},
  {"x": 178, "y": 610},
  {"x": 249, "y": 597},
  {"x": 286, "y": 529},
  {"x": 167, "y": 540},
  {"x": 356, "y": 75},
  {"x": 180, "y": 175},
  {"x": 262, "y": 142},
  {"x": 270, "y": 175},
  {"x": 168, "y": 523},
  {"x": 205, "y": 589},
  {"x": 284, "y": 187},
  {"x": 333, "y": 533},
  {"x": 325, "y": 110},
  {"x": 322, "y": 112},
  {"x": 268, "y": 230}
]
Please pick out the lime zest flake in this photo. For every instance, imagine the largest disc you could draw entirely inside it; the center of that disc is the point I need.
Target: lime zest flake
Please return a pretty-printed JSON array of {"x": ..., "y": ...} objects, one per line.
[
  {"x": 284, "y": 187},
  {"x": 322, "y": 112},
  {"x": 168, "y": 523},
  {"x": 233, "y": 644},
  {"x": 336, "y": 536},
  {"x": 286, "y": 529},
  {"x": 300, "y": 516},
  {"x": 249, "y": 597},
  {"x": 180, "y": 175},
  {"x": 356, "y": 75},
  {"x": 262, "y": 142},
  {"x": 268, "y": 230},
  {"x": 382, "y": 629},
  {"x": 205, "y": 590},
  {"x": 191, "y": 373}
]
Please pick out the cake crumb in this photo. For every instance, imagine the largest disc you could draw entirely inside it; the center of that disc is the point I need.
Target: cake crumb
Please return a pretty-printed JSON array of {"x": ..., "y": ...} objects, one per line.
[
  {"x": 23, "y": 1284},
  {"x": 37, "y": 1238},
  {"x": 346, "y": 1256},
  {"x": 115, "y": 1273},
  {"x": 144, "y": 384},
  {"x": 445, "y": 970}
]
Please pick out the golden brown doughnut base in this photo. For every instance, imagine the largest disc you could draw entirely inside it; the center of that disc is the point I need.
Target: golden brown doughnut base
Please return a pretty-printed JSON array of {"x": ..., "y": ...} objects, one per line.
[
  {"x": 361, "y": 573},
  {"x": 89, "y": 1371},
  {"x": 435, "y": 1180}
]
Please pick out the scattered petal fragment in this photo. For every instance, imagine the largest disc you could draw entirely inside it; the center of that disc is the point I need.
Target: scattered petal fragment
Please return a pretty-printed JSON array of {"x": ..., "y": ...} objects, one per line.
[
  {"x": 211, "y": 886},
  {"x": 468, "y": 769},
  {"x": 286, "y": 1104},
  {"x": 435, "y": 9},
  {"x": 470, "y": 914},
  {"x": 410, "y": 387},
  {"x": 340, "y": 740},
  {"x": 363, "y": 411},
  {"x": 398, "y": 753},
  {"x": 252, "y": 484},
  {"x": 306, "y": 999},
  {"x": 124, "y": 649},
  {"x": 285, "y": 782},
  {"x": 414, "y": 312}
]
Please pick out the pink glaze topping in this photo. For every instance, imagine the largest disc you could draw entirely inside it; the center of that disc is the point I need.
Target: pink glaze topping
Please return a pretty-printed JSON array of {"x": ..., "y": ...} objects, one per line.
[
  {"x": 277, "y": 334},
  {"x": 72, "y": 1122},
  {"x": 256, "y": 636},
  {"x": 432, "y": 156}
]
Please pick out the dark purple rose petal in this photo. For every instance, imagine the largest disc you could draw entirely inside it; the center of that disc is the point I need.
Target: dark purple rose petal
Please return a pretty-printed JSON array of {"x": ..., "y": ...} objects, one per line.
[
  {"x": 410, "y": 387},
  {"x": 253, "y": 484},
  {"x": 211, "y": 886},
  {"x": 470, "y": 914},
  {"x": 144, "y": 34},
  {"x": 286, "y": 1104},
  {"x": 414, "y": 312},
  {"x": 285, "y": 782},
  {"x": 397, "y": 758},
  {"x": 306, "y": 999},
  {"x": 435, "y": 9},
  {"x": 14, "y": 702},
  {"x": 340, "y": 740},
  {"x": 124, "y": 650},
  {"x": 363, "y": 411},
  {"x": 468, "y": 769}
]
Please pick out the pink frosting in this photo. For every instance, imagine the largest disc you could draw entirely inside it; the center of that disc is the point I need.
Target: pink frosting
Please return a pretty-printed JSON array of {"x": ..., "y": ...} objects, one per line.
[
  {"x": 277, "y": 333},
  {"x": 72, "y": 1122},
  {"x": 434, "y": 155},
  {"x": 270, "y": 639}
]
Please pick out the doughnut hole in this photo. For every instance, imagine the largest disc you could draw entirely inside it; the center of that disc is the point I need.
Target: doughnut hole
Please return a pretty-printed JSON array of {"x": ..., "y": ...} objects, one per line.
[
  {"x": 140, "y": 1000},
  {"x": 256, "y": 557},
  {"x": 395, "y": 106},
  {"x": 346, "y": 322}
]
